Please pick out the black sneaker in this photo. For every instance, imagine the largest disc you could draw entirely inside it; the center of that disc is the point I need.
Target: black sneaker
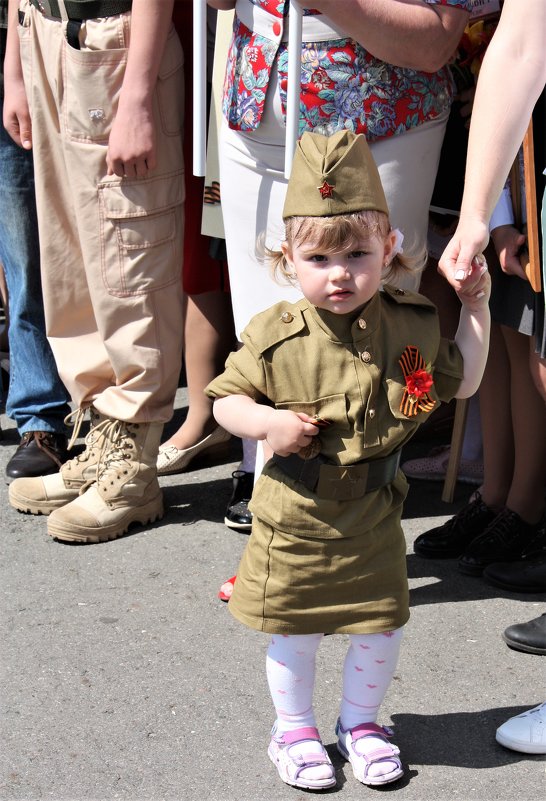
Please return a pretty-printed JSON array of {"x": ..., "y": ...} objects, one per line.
[
  {"x": 40, "y": 453},
  {"x": 453, "y": 538},
  {"x": 506, "y": 539},
  {"x": 238, "y": 515}
]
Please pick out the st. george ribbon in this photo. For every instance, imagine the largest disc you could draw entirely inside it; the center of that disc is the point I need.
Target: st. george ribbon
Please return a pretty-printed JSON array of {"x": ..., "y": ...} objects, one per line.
[{"x": 295, "y": 21}]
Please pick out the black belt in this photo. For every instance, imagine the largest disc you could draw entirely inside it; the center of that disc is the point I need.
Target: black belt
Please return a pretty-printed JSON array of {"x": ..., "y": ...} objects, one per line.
[
  {"x": 340, "y": 482},
  {"x": 86, "y": 9},
  {"x": 78, "y": 12}
]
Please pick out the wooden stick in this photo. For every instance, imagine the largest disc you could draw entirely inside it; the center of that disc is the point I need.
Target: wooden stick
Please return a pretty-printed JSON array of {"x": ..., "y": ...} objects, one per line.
[
  {"x": 532, "y": 267},
  {"x": 457, "y": 436},
  {"x": 530, "y": 255},
  {"x": 295, "y": 22}
]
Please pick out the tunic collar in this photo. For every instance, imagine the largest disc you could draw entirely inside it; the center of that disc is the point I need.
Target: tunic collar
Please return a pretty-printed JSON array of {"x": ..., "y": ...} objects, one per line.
[{"x": 354, "y": 327}]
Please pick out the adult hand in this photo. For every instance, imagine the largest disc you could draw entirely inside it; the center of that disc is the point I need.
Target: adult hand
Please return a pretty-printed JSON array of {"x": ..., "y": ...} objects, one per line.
[
  {"x": 131, "y": 146},
  {"x": 467, "y": 243},
  {"x": 508, "y": 241},
  {"x": 288, "y": 432}
]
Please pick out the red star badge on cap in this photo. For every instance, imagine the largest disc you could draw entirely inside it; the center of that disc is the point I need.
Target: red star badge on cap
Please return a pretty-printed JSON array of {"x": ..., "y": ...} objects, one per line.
[{"x": 325, "y": 190}]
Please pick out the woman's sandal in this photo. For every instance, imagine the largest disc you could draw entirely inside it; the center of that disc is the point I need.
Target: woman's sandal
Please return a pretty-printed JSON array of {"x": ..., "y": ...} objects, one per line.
[
  {"x": 379, "y": 753},
  {"x": 298, "y": 767}
]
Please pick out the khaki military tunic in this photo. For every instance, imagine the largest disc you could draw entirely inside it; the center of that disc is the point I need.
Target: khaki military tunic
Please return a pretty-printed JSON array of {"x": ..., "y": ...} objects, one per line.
[{"x": 324, "y": 565}]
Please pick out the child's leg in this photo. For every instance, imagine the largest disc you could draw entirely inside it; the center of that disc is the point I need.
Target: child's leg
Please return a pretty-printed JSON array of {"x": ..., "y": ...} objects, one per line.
[
  {"x": 369, "y": 666},
  {"x": 367, "y": 673},
  {"x": 291, "y": 676},
  {"x": 295, "y": 746}
]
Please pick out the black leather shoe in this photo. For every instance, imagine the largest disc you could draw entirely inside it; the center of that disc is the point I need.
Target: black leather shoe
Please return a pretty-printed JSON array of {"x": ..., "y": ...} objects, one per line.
[
  {"x": 39, "y": 454},
  {"x": 529, "y": 637},
  {"x": 452, "y": 539},
  {"x": 528, "y": 575},
  {"x": 507, "y": 539},
  {"x": 238, "y": 516}
]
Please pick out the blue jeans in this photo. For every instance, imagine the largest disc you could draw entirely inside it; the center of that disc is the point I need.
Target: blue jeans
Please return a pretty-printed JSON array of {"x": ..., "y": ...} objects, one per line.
[{"x": 37, "y": 399}]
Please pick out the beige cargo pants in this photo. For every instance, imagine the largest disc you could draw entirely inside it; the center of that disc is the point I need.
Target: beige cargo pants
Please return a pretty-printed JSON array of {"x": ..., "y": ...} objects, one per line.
[{"x": 111, "y": 248}]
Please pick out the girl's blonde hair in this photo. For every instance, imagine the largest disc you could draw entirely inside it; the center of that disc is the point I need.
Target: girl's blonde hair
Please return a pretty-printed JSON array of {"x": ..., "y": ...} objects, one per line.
[{"x": 332, "y": 234}]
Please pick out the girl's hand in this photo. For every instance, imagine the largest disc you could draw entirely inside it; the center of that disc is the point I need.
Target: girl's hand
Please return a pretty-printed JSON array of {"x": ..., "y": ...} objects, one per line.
[
  {"x": 474, "y": 291},
  {"x": 508, "y": 241},
  {"x": 288, "y": 432}
]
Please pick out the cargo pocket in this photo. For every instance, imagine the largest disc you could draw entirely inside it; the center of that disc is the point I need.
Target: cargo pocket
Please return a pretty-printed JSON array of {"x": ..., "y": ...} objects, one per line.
[
  {"x": 170, "y": 86},
  {"x": 141, "y": 233}
]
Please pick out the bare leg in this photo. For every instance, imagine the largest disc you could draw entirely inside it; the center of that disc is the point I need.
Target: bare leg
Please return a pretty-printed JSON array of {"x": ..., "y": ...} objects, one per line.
[
  {"x": 498, "y": 438},
  {"x": 538, "y": 370},
  {"x": 209, "y": 337},
  {"x": 526, "y": 495}
]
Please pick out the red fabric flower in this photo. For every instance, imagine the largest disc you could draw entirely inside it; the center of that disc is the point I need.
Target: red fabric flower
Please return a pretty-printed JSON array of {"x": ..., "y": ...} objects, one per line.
[{"x": 419, "y": 383}]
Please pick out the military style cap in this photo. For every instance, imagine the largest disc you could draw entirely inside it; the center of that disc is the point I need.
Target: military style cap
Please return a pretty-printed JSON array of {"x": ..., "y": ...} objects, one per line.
[{"x": 333, "y": 175}]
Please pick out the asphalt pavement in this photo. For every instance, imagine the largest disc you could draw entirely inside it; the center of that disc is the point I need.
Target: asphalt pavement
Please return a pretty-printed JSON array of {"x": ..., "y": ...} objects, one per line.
[{"x": 122, "y": 676}]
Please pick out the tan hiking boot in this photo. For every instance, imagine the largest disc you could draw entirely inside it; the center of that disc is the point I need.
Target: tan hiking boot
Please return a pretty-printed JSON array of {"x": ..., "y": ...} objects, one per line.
[
  {"x": 126, "y": 490},
  {"x": 43, "y": 494}
]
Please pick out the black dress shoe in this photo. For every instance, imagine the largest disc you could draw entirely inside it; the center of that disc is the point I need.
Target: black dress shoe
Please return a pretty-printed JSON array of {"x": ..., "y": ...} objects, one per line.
[
  {"x": 39, "y": 454},
  {"x": 528, "y": 575},
  {"x": 452, "y": 539},
  {"x": 507, "y": 539},
  {"x": 238, "y": 516},
  {"x": 529, "y": 637}
]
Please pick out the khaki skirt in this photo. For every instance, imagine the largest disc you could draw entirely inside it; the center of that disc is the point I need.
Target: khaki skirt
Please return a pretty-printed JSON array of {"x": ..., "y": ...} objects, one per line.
[{"x": 290, "y": 584}]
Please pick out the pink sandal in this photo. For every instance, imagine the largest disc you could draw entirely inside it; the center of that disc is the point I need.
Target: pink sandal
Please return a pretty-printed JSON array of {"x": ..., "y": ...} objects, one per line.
[
  {"x": 288, "y": 754},
  {"x": 379, "y": 752}
]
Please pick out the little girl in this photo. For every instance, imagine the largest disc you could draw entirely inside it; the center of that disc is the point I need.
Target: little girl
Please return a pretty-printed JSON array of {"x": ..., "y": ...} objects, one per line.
[{"x": 336, "y": 384}]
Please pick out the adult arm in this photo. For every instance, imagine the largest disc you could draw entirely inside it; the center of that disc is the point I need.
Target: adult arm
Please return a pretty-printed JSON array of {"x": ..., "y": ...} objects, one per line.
[
  {"x": 406, "y": 33},
  {"x": 511, "y": 79},
  {"x": 131, "y": 146},
  {"x": 16, "y": 111}
]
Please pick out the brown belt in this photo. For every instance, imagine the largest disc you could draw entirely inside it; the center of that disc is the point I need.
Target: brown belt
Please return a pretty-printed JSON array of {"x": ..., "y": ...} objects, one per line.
[{"x": 340, "y": 482}]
